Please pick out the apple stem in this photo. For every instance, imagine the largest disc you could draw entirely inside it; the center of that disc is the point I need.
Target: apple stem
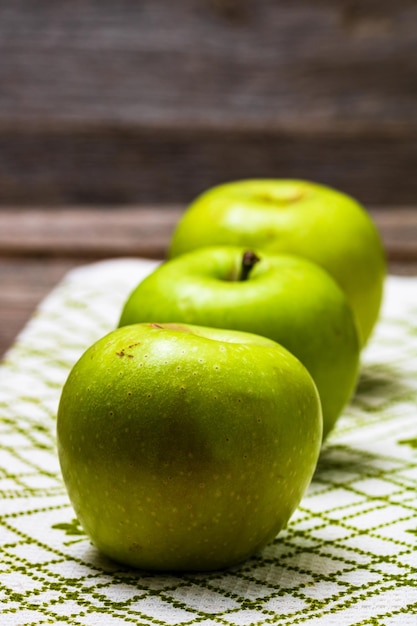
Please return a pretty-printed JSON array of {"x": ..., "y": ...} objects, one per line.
[{"x": 249, "y": 260}]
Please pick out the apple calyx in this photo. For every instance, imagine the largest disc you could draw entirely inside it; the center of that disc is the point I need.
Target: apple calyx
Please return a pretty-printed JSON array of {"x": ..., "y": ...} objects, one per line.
[{"x": 249, "y": 260}]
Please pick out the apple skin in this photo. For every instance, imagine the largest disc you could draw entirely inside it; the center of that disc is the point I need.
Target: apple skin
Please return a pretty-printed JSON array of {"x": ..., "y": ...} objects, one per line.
[
  {"x": 186, "y": 448},
  {"x": 288, "y": 299},
  {"x": 296, "y": 217}
]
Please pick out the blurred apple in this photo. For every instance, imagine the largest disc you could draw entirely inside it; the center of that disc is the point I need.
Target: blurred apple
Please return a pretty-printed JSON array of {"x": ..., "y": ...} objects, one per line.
[{"x": 296, "y": 217}]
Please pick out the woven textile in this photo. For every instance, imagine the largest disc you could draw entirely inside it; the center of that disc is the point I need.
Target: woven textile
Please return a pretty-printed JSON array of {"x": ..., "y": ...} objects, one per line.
[{"x": 347, "y": 557}]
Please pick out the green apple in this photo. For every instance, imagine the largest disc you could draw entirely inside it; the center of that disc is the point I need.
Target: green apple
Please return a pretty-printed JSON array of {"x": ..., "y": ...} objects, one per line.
[
  {"x": 296, "y": 217},
  {"x": 288, "y": 299},
  {"x": 186, "y": 448}
]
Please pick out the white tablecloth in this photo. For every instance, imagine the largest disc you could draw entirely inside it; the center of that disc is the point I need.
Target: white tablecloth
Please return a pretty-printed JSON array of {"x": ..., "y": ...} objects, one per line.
[{"x": 347, "y": 557}]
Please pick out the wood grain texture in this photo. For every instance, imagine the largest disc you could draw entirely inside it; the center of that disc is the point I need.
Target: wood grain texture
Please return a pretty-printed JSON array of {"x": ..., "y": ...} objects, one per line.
[
  {"x": 94, "y": 232},
  {"x": 87, "y": 232},
  {"x": 221, "y": 62},
  {"x": 154, "y": 101},
  {"x": 114, "y": 166}
]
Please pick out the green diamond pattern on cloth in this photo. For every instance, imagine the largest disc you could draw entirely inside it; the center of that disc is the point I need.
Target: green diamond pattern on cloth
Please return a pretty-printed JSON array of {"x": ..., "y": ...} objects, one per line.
[{"x": 348, "y": 556}]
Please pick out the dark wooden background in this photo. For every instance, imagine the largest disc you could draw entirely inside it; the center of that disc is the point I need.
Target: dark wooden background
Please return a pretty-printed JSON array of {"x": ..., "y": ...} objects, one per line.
[
  {"x": 114, "y": 115},
  {"x": 155, "y": 100}
]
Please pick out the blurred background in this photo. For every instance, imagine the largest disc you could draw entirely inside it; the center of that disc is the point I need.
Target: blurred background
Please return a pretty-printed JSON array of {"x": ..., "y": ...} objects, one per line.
[
  {"x": 112, "y": 107},
  {"x": 154, "y": 101}
]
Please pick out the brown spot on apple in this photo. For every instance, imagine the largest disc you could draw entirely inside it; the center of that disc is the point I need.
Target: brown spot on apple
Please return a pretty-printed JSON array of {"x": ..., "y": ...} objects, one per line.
[{"x": 122, "y": 353}]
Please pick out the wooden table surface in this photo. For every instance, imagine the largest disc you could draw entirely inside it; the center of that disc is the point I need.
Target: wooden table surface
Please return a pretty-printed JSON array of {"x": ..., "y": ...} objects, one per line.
[{"x": 39, "y": 245}]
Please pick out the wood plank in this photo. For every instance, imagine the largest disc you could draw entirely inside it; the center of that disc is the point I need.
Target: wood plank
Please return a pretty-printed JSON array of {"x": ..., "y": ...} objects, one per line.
[
  {"x": 123, "y": 102},
  {"x": 398, "y": 229},
  {"x": 296, "y": 64},
  {"x": 87, "y": 232},
  {"x": 116, "y": 165},
  {"x": 98, "y": 232}
]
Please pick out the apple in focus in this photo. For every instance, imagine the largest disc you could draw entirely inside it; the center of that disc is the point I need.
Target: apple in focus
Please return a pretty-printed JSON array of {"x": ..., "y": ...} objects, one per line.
[
  {"x": 296, "y": 217},
  {"x": 186, "y": 448},
  {"x": 285, "y": 298}
]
